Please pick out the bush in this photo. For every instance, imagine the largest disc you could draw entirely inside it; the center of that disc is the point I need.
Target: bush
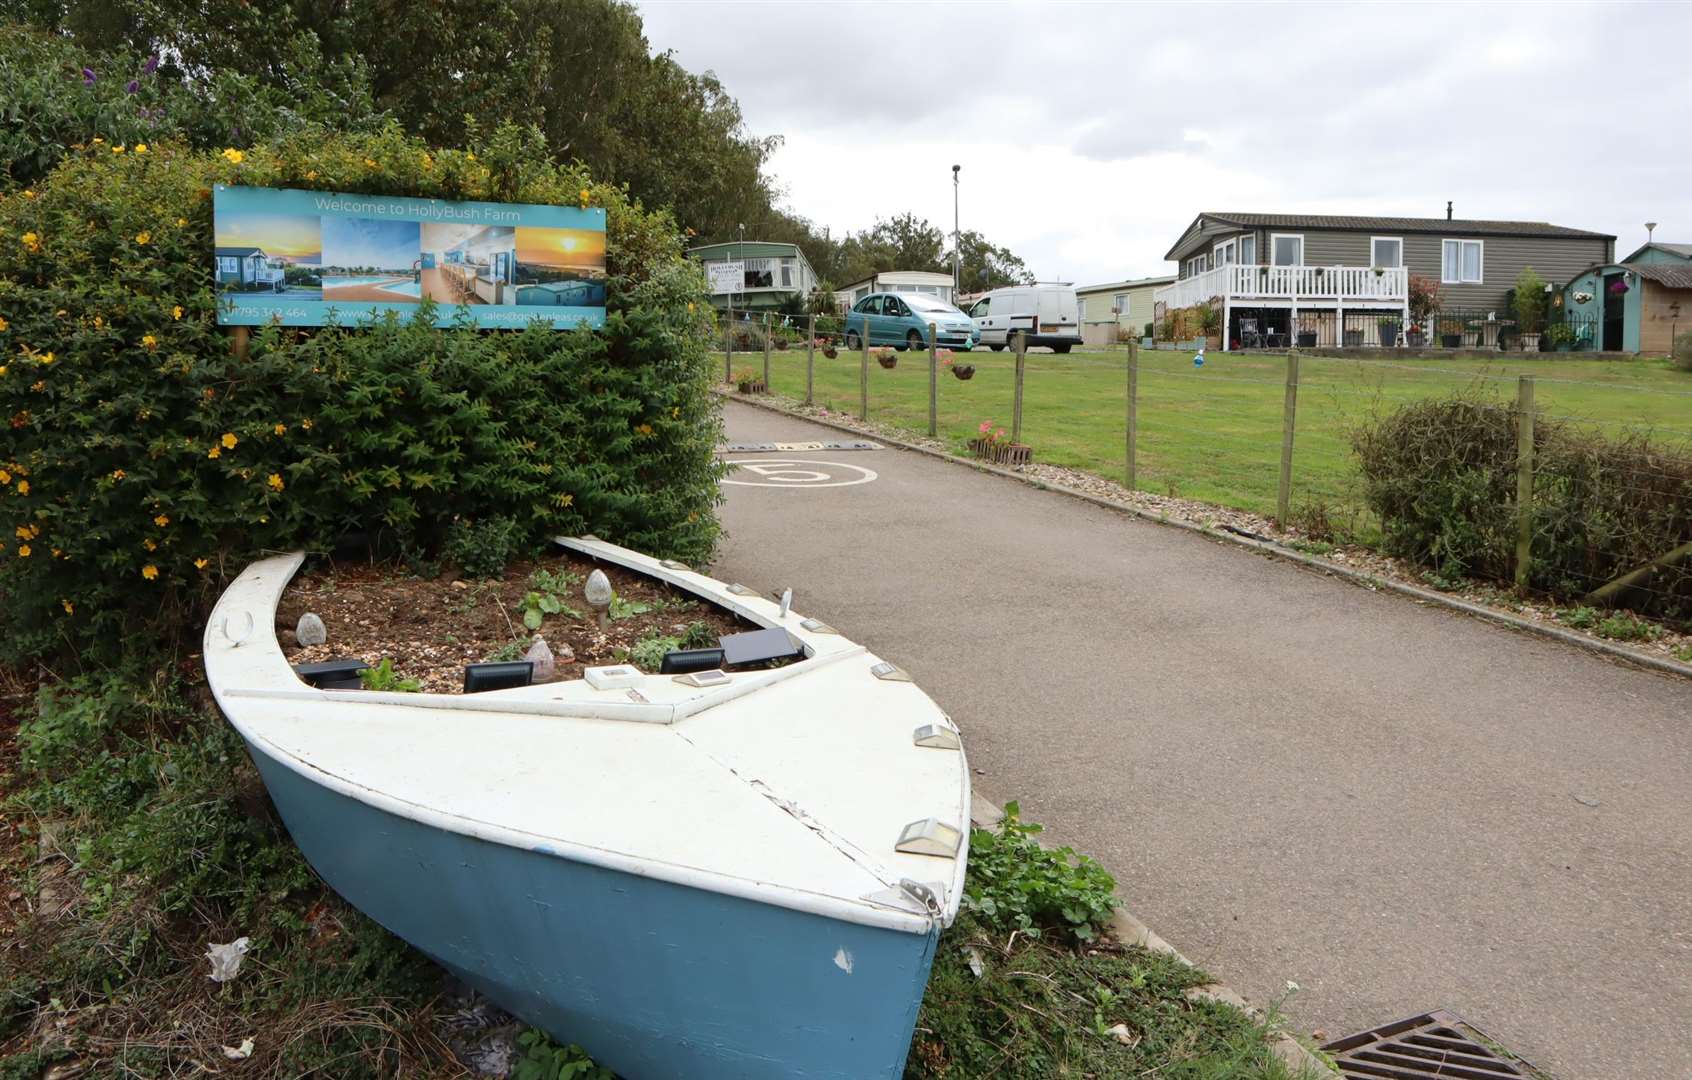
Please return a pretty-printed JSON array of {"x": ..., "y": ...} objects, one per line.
[
  {"x": 1683, "y": 351},
  {"x": 1441, "y": 475},
  {"x": 146, "y": 463}
]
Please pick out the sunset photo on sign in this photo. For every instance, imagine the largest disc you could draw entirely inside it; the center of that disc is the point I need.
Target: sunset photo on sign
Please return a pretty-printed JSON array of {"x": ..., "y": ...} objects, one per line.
[{"x": 568, "y": 264}]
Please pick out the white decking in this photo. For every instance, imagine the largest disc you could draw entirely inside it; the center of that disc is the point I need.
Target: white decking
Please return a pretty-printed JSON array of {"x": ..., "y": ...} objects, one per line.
[
  {"x": 1291, "y": 286},
  {"x": 789, "y": 787}
]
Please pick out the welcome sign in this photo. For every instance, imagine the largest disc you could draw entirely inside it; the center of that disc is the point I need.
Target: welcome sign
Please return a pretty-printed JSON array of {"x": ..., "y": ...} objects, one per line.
[{"x": 302, "y": 258}]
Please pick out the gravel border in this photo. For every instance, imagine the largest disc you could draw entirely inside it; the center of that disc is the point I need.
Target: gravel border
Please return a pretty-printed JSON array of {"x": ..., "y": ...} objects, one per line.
[{"x": 1360, "y": 566}]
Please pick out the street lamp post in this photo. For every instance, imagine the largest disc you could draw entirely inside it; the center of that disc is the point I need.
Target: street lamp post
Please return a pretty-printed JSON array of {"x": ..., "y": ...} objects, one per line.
[{"x": 957, "y": 250}]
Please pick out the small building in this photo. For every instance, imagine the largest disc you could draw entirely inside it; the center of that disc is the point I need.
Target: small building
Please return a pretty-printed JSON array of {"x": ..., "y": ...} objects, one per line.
[
  {"x": 247, "y": 267},
  {"x": 917, "y": 281},
  {"x": 1642, "y": 303},
  {"x": 1117, "y": 309},
  {"x": 771, "y": 272}
]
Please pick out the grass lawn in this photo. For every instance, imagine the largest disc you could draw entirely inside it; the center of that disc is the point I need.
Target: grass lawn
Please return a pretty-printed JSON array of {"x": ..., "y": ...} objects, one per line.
[{"x": 1214, "y": 433}]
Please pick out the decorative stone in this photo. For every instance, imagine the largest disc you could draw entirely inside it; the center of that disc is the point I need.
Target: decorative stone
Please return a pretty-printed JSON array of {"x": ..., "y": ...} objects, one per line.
[
  {"x": 564, "y": 654},
  {"x": 310, "y": 630},
  {"x": 540, "y": 655}
]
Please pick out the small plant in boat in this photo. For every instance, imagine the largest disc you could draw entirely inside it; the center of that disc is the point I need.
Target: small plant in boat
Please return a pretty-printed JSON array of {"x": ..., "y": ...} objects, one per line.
[
  {"x": 544, "y": 1059},
  {"x": 623, "y": 608},
  {"x": 647, "y": 654},
  {"x": 546, "y": 587},
  {"x": 384, "y": 677},
  {"x": 511, "y": 650},
  {"x": 1015, "y": 884}
]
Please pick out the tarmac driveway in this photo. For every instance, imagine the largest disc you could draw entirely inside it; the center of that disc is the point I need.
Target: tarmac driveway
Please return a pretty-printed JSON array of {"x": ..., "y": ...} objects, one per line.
[{"x": 1292, "y": 777}]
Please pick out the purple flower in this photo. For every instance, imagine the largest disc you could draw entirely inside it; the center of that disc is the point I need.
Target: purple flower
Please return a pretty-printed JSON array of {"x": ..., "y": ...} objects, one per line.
[
  {"x": 88, "y": 76},
  {"x": 152, "y": 65},
  {"x": 133, "y": 86}
]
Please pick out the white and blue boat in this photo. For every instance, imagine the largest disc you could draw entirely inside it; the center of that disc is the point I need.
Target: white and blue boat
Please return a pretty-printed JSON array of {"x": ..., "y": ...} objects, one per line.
[{"x": 744, "y": 879}]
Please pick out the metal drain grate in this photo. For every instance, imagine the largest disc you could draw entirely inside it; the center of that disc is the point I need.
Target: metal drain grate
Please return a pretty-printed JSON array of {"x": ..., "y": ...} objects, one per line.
[{"x": 1433, "y": 1044}]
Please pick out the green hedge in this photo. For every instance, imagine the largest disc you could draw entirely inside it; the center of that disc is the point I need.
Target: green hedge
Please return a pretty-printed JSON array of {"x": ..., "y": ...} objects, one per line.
[
  {"x": 1441, "y": 474},
  {"x": 144, "y": 463}
]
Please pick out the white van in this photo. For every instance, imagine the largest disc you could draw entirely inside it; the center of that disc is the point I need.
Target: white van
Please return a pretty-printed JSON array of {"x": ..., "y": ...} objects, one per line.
[{"x": 1048, "y": 314}]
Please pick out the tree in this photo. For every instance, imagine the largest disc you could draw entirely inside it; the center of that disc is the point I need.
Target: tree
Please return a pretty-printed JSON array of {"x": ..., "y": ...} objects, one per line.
[{"x": 986, "y": 265}]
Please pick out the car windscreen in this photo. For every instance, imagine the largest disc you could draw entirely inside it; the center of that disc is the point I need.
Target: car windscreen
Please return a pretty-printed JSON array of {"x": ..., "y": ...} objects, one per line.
[{"x": 924, "y": 303}]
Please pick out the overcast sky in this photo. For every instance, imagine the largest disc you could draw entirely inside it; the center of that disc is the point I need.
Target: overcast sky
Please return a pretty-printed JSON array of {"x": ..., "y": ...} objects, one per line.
[{"x": 1091, "y": 134}]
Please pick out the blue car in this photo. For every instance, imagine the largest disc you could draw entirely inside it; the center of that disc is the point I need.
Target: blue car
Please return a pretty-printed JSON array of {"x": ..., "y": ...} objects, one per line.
[{"x": 901, "y": 320}]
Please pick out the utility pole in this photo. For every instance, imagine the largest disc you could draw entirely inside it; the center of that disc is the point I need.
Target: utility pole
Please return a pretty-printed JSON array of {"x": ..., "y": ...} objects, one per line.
[{"x": 957, "y": 249}]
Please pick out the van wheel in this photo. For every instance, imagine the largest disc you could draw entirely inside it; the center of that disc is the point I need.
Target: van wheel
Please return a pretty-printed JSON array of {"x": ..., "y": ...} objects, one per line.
[
  {"x": 853, "y": 342},
  {"x": 913, "y": 341},
  {"x": 1062, "y": 347}
]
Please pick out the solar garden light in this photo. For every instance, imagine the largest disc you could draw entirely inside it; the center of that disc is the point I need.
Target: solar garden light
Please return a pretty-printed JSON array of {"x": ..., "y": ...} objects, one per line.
[{"x": 597, "y": 592}]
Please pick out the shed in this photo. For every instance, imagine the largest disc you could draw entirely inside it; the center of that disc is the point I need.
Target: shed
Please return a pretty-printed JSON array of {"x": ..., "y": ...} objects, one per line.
[{"x": 1644, "y": 302}]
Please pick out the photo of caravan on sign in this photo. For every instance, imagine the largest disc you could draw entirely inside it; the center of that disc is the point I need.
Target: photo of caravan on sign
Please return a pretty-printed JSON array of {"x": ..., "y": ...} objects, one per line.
[{"x": 302, "y": 258}]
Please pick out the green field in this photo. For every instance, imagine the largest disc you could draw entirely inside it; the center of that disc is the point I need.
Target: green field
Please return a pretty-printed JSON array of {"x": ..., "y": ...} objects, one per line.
[{"x": 1214, "y": 433}]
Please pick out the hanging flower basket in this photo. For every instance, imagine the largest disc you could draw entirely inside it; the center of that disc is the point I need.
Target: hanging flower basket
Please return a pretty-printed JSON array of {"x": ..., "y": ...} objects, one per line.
[
  {"x": 1618, "y": 286},
  {"x": 887, "y": 358},
  {"x": 965, "y": 372},
  {"x": 830, "y": 351}
]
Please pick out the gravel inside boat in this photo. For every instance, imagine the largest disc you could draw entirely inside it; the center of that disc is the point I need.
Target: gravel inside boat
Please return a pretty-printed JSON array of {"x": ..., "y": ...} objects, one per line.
[{"x": 432, "y": 627}]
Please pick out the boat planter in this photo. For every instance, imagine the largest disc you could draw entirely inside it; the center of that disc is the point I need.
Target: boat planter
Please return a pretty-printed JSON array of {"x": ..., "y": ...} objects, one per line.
[
  {"x": 632, "y": 888},
  {"x": 965, "y": 372}
]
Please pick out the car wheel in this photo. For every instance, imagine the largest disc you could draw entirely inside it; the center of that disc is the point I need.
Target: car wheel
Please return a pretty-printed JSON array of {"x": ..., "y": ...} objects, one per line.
[
  {"x": 853, "y": 342},
  {"x": 997, "y": 348},
  {"x": 1062, "y": 347},
  {"x": 914, "y": 342}
]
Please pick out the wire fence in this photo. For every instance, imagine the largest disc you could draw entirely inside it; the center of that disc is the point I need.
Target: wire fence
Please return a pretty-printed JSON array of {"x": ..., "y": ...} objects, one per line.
[{"x": 1272, "y": 434}]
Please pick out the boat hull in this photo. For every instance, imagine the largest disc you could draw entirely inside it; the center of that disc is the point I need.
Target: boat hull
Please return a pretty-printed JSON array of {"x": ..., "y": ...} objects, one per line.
[{"x": 654, "y": 979}]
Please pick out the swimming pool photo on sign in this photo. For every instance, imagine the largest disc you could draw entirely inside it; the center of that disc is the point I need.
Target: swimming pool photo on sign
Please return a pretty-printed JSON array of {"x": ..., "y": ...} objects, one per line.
[{"x": 371, "y": 260}]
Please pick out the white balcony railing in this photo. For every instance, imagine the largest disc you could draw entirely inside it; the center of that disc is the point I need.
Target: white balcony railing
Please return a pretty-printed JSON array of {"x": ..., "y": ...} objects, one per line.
[
  {"x": 269, "y": 273},
  {"x": 1324, "y": 284}
]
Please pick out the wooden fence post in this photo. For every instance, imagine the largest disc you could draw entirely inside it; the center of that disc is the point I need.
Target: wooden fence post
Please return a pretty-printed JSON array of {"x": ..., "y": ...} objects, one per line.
[
  {"x": 728, "y": 345},
  {"x": 1133, "y": 405},
  {"x": 1016, "y": 407},
  {"x": 863, "y": 375},
  {"x": 933, "y": 377},
  {"x": 1283, "y": 496},
  {"x": 1524, "y": 481},
  {"x": 239, "y": 339},
  {"x": 810, "y": 355},
  {"x": 766, "y": 353}
]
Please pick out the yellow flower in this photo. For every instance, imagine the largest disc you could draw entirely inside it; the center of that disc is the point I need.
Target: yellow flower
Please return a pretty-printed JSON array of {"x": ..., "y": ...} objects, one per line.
[
  {"x": 23, "y": 487},
  {"x": 38, "y": 385},
  {"x": 23, "y": 551},
  {"x": 29, "y": 193},
  {"x": 143, "y": 237},
  {"x": 229, "y": 440},
  {"x": 98, "y": 140},
  {"x": 369, "y": 163},
  {"x": 149, "y": 571},
  {"x": 675, "y": 413},
  {"x": 162, "y": 520},
  {"x": 118, "y": 474},
  {"x": 118, "y": 149},
  {"x": 46, "y": 357},
  {"x": 140, "y": 148},
  {"x": 306, "y": 423},
  {"x": 99, "y": 322},
  {"x": 583, "y": 196},
  {"x": 690, "y": 307},
  {"x": 644, "y": 429},
  {"x": 176, "y": 312},
  {"x": 275, "y": 482},
  {"x": 70, "y": 608},
  {"x": 235, "y": 157},
  {"x": 181, "y": 221},
  {"x": 31, "y": 241},
  {"x": 149, "y": 341},
  {"x": 199, "y": 564},
  {"x": 214, "y": 452},
  {"x": 149, "y": 545},
  {"x": 21, "y": 532},
  {"x": 5, "y": 477},
  {"x": 281, "y": 429},
  {"x": 470, "y": 156},
  {"x": 311, "y": 174},
  {"x": 3, "y": 323}
]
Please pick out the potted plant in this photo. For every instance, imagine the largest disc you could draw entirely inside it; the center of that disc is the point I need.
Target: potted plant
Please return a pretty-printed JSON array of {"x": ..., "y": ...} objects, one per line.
[
  {"x": 1416, "y": 337},
  {"x": 1306, "y": 333},
  {"x": 1528, "y": 302},
  {"x": 747, "y": 382},
  {"x": 1388, "y": 331},
  {"x": 1558, "y": 337},
  {"x": 886, "y": 357},
  {"x": 1351, "y": 339},
  {"x": 987, "y": 437},
  {"x": 1450, "y": 333},
  {"x": 1423, "y": 302},
  {"x": 1208, "y": 318}
]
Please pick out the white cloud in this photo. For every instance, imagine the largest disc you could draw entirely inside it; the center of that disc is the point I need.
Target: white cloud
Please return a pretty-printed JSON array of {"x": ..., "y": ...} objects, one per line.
[{"x": 1091, "y": 134}]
